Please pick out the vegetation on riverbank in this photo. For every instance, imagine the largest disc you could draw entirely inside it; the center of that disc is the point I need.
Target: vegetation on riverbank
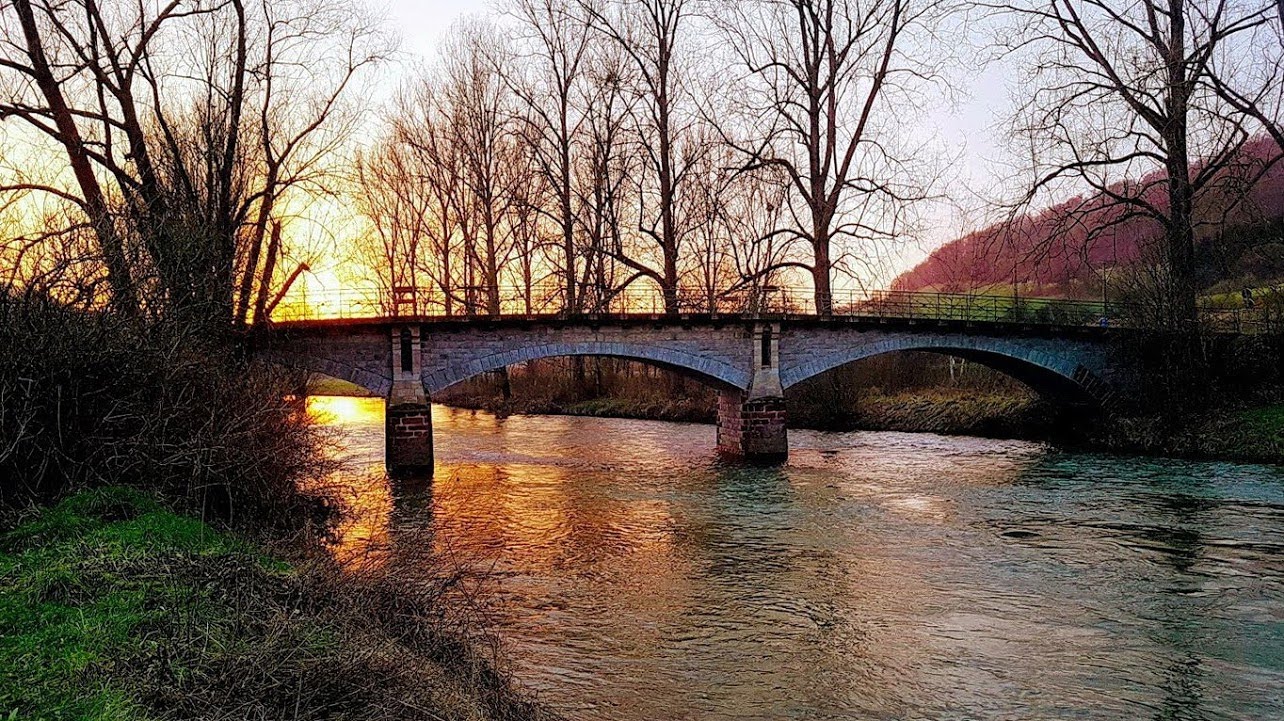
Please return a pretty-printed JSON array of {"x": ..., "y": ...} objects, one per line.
[
  {"x": 112, "y": 607},
  {"x": 687, "y": 410},
  {"x": 909, "y": 392},
  {"x": 943, "y": 410},
  {"x": 144, "y": 466},
  {"x": 89, "y": 399},
  {"x": 1251, "y": 435}
]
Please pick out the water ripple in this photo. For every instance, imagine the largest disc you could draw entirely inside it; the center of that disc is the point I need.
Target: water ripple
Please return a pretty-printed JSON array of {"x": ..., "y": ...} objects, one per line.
[{"x": 876, "y": 576}]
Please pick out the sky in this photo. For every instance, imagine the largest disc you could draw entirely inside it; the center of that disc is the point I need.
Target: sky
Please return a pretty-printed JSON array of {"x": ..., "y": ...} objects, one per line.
[
  {"x": 964, "y": 131},
  {"x": 421, "y": 23}
]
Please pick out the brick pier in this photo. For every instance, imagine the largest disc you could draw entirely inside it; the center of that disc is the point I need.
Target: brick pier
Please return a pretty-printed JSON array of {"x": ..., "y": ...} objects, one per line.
[
  {"x": 408, "y": 413},
  {"x": 408, "y": 433},
  {"x": 752, "y": 424},
  {"x": 752, "y": 430}
]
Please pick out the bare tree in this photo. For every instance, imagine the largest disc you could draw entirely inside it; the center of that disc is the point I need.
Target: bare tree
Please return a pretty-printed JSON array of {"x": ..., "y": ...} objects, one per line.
[
  {"x": 160, "y": 143},
  {"x": 651, "y": 34},
  {"x": 400, "y": 211},
  {"x": 423, "y": 129},
  {"x": 1122, "y": 101},
  {"x": 548, "y": 81},
  {"x": 1249, "y": 75},
  {"x": 605, "y": 173},
  {"x": 45, "y": 89},
  {"x": 756, "y": 207},
  {"x": 818, "y": 108},
  {"x": 311, "y": 52},
  {"x": 489, "y": 146}
]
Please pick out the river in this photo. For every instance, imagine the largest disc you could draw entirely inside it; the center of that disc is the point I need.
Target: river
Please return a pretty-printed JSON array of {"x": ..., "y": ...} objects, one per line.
[{"x": 875, "y": 576}]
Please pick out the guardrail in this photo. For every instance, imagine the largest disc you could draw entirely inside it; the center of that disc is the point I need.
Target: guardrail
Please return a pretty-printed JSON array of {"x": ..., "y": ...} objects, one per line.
[{"x": 538, "y": 301}]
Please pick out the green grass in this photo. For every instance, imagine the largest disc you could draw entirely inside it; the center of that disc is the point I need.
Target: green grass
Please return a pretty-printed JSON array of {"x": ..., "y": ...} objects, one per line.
[
  {"x": 1265, "y": 423},
  {"x": 112, "y": 608},
  {"x": 1232, "y": 297},
  {"x": 79, "y": 594},
  {"x": 1254, "y": 435}
]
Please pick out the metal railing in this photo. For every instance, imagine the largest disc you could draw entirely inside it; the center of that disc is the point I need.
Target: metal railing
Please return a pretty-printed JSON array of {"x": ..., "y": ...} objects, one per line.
[{"x": 548, "y": 301}]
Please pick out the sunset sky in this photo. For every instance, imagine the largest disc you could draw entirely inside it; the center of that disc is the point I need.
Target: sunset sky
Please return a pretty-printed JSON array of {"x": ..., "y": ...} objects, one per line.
[{"x": 963, "y": 129}]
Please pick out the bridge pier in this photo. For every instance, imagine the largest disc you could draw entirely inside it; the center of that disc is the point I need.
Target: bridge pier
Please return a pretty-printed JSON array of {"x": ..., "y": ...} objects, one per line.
[
  {"x": 408, "y": 413},
  {"x": 753, "y": 424}
]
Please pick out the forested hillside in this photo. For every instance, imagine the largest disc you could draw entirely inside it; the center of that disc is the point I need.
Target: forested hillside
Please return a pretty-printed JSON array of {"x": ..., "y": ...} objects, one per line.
[{"x": 1063, "y": 250}]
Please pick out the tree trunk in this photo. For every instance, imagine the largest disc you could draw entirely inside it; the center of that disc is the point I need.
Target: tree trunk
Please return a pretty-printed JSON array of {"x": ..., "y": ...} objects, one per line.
[
  {"x": 119, "y": 277},
  {"x": 505, "y": 384},
  {"x": 1180, "y": 234},
  {"x": 256, "y": 251},
  {"x": 269, "y": 269},
  {"x": 820, "y": 272}
]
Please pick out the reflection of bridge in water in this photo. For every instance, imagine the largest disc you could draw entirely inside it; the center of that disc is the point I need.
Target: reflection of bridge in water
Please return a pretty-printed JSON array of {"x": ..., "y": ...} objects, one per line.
[{"x": 751, "y": 346}]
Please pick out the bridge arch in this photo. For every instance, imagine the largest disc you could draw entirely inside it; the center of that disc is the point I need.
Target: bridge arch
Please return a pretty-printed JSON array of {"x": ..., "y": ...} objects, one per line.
[
  {"x": 710, "y": 370},
  {"x": 376, "y": 382},
  {"x": 1059, "y": 375}
]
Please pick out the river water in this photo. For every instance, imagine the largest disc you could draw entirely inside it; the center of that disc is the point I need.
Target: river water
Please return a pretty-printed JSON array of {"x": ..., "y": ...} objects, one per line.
[{"x": 876, "y": 576}]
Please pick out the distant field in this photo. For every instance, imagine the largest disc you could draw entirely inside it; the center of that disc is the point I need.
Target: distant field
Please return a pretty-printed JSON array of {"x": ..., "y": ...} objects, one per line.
[{"x": 1232, "y": 299}]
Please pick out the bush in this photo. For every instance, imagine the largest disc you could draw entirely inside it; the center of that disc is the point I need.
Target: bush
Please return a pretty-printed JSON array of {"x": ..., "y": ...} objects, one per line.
[{"x": 87, "y": 399}]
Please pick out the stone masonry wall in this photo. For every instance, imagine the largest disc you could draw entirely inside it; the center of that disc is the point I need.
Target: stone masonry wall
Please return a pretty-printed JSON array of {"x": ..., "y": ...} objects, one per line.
[
  {"x": 755, "y": 430},
  {"x": 719, "y": 355}
]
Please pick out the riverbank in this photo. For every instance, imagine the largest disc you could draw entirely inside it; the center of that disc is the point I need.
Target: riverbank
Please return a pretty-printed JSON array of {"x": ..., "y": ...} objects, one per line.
[
  {"x": 943, "y": 412},
  {"x": 1252, "y": 435},
  {"x": 113, "y": 607},
  {"x": 682, "y": 410}
]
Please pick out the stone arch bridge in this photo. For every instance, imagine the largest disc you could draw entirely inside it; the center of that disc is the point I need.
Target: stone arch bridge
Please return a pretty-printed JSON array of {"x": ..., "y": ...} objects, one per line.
[{"x": 751, "y": 361}]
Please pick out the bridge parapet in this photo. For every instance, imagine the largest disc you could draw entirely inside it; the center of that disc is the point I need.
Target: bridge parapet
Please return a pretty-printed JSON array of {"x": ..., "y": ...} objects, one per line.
[{"x": 774, "y": 303}]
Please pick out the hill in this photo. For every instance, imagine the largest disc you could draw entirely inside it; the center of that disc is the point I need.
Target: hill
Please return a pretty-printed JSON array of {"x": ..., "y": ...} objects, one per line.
[{"x": 1063, "y": 250}]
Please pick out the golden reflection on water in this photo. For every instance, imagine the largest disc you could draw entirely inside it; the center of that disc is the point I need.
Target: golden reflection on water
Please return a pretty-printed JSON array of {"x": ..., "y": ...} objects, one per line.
[
  {"x": 519, "y": 503},
  {"x": 345, "y": 411},
  {"x": 362, "y": 538}
]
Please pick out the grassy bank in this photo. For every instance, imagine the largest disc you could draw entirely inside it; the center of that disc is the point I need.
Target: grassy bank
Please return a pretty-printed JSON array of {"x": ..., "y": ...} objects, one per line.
[
  {"x": 943, "y": 410},
  {"x": 112, "y": 607},
  {"x": 1253, "y": 435},
  {"x": 687, "y": 410}
]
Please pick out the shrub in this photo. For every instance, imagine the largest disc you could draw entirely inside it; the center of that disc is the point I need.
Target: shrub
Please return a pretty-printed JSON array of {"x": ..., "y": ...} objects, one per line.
[{"x": 87, "y": 399}]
